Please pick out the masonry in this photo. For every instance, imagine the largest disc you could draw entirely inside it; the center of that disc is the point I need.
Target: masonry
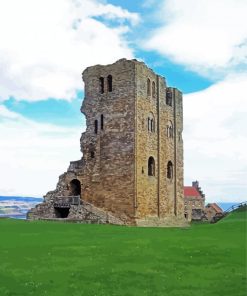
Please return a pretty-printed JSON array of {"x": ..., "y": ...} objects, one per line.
[{"x": 131, "y": 171}]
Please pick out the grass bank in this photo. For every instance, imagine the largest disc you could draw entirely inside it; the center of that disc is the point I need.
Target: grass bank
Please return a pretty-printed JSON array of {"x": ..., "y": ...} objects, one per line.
[{"x": 56, "y": 259}]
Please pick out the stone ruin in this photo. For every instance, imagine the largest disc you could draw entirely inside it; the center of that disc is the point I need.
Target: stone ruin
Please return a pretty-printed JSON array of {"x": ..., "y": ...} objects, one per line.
[{"x": 131, "y": 171}]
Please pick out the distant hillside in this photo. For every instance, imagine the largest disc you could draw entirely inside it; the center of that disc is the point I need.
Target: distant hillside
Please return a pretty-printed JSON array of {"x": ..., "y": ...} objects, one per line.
[{"x": 17, "y": 206}]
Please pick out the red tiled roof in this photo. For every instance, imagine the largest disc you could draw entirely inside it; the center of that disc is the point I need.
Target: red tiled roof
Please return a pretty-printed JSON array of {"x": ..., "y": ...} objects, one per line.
[
  {"x": 216, "y": 208},
  {"x": 191, "y": 191}
]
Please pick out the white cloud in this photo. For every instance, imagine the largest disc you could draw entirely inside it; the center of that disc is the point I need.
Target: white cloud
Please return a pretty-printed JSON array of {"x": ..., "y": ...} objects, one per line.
[
  {"x": 207, "y": 36},
  {"x": 46, "y": 44},
  {"x": 33, "y": 155},
  {"x": 215, "y": 138}
]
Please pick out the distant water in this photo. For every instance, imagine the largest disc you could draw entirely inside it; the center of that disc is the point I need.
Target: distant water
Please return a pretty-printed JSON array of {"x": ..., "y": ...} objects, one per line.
[
  {"x": 21, "y": 198},
  {"x": 18, "y": 217},
  {"x": 20, "y": 205}
]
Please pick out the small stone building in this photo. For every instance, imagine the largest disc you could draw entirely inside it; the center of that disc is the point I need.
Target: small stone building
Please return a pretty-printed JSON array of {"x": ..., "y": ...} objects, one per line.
[
  {"x": 194, "y": 202},
  {"x": 212, "y": 210},
  {"x": 131, "y": 171}
]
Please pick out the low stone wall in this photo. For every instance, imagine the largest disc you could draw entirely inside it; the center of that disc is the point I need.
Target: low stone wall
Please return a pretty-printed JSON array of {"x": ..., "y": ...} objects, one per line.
[
  {"x": 85, "y": 213},
  {"x": 44, "y": 210},
  {"x": 198, "y": 215}
]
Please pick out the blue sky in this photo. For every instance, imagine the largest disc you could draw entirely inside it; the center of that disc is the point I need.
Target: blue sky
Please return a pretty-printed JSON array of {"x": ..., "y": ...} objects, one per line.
[{"x": 200, "y": 48}]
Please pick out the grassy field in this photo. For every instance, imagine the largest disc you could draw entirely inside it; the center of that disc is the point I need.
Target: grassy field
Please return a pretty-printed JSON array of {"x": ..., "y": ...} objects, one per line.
[{"x": 48, "y": 258}]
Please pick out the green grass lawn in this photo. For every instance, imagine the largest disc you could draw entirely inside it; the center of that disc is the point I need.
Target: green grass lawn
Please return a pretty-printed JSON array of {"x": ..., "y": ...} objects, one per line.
[{"x": 50, "y": 258}]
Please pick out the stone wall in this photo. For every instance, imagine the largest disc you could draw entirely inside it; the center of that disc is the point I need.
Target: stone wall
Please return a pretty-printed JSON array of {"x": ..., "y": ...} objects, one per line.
[
  {"x": 194, "y": 208},
  {"x": 158, "y": 195}
]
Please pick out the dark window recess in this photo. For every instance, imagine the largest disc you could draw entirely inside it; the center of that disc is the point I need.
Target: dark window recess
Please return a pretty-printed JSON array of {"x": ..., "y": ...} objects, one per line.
[
  {"x": 148, "y": 87},
  {"x": 102, "y": 121},
  {"x": 101, "y": 85},
  {"x": 153, "y": 89},
  {"x": 151, "y": 125},
  {"x": 95, "y": 126},
  {"x": 151, "y": 166},
  {"x": 170, "y": 130},
  {"x": 168, "y": 97},
  {"x": 92, "y": 154},
  {"x": 169, "y": 170},
  {"x": 109, "y": 83}
]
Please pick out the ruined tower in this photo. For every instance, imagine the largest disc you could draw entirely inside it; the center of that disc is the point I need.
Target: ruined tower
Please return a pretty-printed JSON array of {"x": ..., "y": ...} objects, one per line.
[{"x": 132, "y": 164}]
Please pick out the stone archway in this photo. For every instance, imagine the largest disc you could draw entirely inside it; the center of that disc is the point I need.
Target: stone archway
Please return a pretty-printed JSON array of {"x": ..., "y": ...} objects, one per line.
[{"x": 75, "y": 187}]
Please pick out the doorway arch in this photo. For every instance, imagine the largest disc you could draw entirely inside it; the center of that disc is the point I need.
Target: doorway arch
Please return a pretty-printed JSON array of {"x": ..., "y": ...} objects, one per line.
[{"x": 75, "y": 187}]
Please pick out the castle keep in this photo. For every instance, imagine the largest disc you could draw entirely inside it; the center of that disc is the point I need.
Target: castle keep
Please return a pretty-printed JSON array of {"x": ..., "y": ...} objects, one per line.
[{"x": 131, "y": 171}]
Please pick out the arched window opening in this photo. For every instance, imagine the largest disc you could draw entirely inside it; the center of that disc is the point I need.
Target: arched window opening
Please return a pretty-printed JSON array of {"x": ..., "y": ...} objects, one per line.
[
  {"x": 102, "y": 121},
  {"x": 151, "y": 166},
  {"x": 101, "y": 85},
  {"x": 75, "y": 187},
  {"x": 95, "y": 126},
  {"x": 168, "y": 97},
  {"x": 169, "y": 130},
  {"x": 169, "y": 170},
  {"x": 148, "y": 87},
  {"x": 109, "y": 83},
  {"x": 153, "y": 89}
]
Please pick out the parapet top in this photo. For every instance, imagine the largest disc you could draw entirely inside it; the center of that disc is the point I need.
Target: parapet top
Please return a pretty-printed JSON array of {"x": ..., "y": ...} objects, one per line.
[
  {"x": 120, "y": 61},
  {"x": 123, "y": 61}
]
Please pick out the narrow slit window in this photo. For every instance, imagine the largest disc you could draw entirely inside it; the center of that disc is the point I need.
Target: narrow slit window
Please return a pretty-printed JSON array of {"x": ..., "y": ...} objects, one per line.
[
  {"x": 148, "y": 87},
  {"x": 109, "y": 83},
  {"x": 169, "y": 97},
  {"x": 151, "y": 123},
  {"x": 102, "y": 121},
  {"x": 101, "y": 85},
  {"x": 153, "y": 89},
  {"x": 170, "y": 130},
  {"x": 95, "y": 126},
  {"x": 169, "y": 170},
  {"x": 152, "y": 126}
]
